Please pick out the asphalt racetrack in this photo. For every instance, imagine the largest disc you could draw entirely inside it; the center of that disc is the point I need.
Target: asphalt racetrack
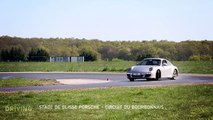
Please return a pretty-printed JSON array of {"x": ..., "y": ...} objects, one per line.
[{"x": 106, "y": 80}]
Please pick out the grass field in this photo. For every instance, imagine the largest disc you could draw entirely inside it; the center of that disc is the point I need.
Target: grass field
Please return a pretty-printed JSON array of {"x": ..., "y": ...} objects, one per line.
[
  {"x": 14, "y": 82},
  {"x": 203, "y": 67},
  {"x": 162, "y": 103}
]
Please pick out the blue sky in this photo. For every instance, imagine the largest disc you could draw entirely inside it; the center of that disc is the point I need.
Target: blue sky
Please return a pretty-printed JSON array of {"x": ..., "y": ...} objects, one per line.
[{"x": 174, "y": 20}]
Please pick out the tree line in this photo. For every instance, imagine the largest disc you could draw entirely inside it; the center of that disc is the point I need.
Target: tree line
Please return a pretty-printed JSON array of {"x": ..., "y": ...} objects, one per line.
[
  {"x": 108, "y": 50},
  {"x": 17, "y": 54}
]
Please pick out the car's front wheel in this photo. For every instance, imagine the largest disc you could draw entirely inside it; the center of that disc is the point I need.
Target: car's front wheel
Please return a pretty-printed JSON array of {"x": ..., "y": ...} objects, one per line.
[
  {"x": 131, "y": 79},
  {"x": 158, "y": 75}
]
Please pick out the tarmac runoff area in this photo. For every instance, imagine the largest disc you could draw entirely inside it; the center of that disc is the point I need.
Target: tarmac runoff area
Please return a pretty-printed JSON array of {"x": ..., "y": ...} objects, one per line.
[
  {"x": 98, "y": 80},
  {"x": 81, "y": 81}
]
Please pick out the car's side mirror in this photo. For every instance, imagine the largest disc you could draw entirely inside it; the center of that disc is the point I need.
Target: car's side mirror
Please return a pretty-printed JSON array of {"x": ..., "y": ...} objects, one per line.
[{"x": 164, "y": 64}]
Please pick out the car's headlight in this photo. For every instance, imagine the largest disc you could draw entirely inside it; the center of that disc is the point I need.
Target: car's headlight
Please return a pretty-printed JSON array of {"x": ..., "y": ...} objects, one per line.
[
  {"x": 130, "y": 68},
  {"x": 151, "y": 68}
]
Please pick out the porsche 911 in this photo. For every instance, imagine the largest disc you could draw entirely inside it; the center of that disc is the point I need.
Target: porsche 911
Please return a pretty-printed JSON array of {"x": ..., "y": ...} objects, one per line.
[{"x": 153, "y": 68}]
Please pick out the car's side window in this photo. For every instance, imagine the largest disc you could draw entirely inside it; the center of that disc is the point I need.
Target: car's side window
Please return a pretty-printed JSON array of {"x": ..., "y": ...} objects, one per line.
[{"x": 164, "y": 63}]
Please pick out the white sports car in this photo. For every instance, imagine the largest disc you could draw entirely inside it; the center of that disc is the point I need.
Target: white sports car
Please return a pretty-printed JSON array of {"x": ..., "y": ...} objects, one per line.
[{"x": 152, "y": 68}]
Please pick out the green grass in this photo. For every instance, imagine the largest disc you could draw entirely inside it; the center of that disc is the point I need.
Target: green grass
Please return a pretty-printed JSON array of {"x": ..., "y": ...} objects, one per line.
[
  {"x": 97, "y": 66},
  {"x": 202, "y": 67},
  {"x": 14, "y": 82},
  {"x": 176, "y": 102}
]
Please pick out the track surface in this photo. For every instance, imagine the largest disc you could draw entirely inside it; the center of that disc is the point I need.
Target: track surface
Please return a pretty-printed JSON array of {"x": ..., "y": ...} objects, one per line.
[{"x": 116, "y": 79}]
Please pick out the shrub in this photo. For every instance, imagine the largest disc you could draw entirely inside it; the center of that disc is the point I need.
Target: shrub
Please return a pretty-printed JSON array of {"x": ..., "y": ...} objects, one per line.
[
  {"x": 194, "y": 58},
  {"x": 106, "y": 69},
  {"x": 205, "y": 58},
  {"x": 14, "y": 54},
  {"x": 88, "y": 55},
  {"x": 200, "y": 58},
  {"x": 38, "y": 55}
]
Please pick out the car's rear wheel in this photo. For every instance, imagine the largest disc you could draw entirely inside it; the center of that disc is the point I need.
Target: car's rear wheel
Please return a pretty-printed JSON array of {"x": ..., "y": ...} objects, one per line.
[
  {"x": 174, "y": 75},
  {"x": 158, "y": 75},
  {"x": 131, "y": 79}
]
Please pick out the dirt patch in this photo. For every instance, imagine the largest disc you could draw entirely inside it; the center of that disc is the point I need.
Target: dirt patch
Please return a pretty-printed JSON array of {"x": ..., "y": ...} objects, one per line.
[{"x": 81, "y": 81}]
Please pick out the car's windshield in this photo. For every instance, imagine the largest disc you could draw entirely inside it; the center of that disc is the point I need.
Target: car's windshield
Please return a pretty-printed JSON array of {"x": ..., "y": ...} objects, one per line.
[{"x": 150, "y": 62}]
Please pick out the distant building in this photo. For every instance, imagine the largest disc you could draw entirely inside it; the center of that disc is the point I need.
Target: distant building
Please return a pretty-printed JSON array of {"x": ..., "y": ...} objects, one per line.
[{"x": 67, "y": 59}]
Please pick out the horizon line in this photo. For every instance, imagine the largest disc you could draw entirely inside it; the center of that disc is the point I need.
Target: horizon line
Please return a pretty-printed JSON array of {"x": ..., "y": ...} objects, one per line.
[{"x": 129, "y": 40}]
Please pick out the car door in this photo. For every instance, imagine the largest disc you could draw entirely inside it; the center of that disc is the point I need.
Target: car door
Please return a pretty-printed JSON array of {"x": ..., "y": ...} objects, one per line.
[{"x": 166, "y": 68}]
